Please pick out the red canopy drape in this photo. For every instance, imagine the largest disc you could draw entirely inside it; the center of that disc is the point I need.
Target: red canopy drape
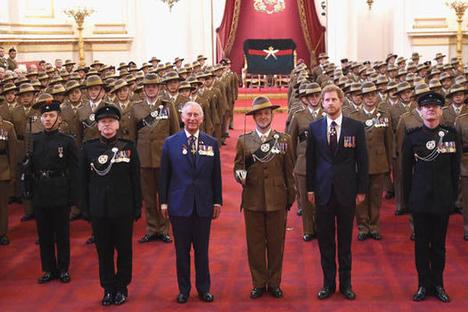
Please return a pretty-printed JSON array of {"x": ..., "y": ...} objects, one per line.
[
  {"x": 226, "y": 32},
  {"x": 298, "y": 22}
]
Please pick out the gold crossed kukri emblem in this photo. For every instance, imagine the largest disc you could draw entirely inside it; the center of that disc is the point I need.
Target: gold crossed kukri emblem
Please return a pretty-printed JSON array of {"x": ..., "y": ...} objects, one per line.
[{"x": 269, "y": 6}]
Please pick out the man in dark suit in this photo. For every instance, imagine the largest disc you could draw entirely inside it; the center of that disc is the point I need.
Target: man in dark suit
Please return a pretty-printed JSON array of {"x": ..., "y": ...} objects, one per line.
[
  {"x": 337, "y": 178},
  {"x": 190, "y": 190}
]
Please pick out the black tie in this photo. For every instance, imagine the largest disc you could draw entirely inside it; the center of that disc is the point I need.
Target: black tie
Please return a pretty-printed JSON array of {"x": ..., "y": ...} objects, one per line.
[
  {"x": 333, "y": 139},
  {"x": 193, "y": 147}
]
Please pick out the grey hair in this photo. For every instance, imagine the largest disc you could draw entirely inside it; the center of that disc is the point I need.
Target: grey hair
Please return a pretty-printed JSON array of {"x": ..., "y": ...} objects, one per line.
[{"x": 192, "y": 104}]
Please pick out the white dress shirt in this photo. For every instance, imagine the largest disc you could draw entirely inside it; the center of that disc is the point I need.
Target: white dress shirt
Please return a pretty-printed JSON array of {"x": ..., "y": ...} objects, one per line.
[
  {"x": 338, "y": 122},
  {"x": 263, "y": 135}
]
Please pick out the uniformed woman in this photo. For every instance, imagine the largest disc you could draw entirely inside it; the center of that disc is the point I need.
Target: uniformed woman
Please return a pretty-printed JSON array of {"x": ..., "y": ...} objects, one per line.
[
  {"x": 431, "y": 168},
  {"x": 110, "y": 171},
  {"x": 54, "y": 164}
]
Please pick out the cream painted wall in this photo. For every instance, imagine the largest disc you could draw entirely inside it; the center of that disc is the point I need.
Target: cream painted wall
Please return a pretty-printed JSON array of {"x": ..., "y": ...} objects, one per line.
[
  {"x": 150, "y": 29},
  {"x": 358, "y": 33}
]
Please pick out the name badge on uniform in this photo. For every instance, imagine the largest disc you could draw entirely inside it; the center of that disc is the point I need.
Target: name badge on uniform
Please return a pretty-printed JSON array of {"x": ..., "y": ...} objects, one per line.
[
  {"x": 349, "y": 141},
  {"x": 60, "y": 151},
  {"x": 205, "y": 150}
]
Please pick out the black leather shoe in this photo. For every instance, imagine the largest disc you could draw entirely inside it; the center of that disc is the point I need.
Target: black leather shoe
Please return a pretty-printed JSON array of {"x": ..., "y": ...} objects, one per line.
[
  {"x": 45, "y": 278},
  {"x": 299, "y": 212},
  {"x": 27, "y": 217},
  {"x": 120, "y": 298},
  {"x": 420, "y": 294},
  {"x": 375, "y": 236},
  {"x": 348, "y": 293},
  {"x": 276, "y": 292},
  {"x": 307, "y": 237},
  {"x": 65, "y": 277},
  {"x": 148, "y": 238},
  {"x": 91, "y": 240},
  {"x": 4, "y": 240},
  {"x": 181, "y": 298},
  {"x": 439, "y": 293},
  {"x": 413, "y": 237},
  {"x": 206, "y": 297},
  {"x": 164, "y": 238},
  {"x": 257, "y": 292},
  {"x": 362, "y": 236},
  {"x": 465, "y": 237},
  {"x": 325, "y": 293},
  {"x": 107, "y": 299}
]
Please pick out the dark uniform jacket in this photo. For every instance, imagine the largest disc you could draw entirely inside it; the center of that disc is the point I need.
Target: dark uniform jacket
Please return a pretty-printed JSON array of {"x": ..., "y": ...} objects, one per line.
[
  {"x": 431, "y": 186},
  {"x": 55, "y": 170},
  {"x": 110, "y": 173}
]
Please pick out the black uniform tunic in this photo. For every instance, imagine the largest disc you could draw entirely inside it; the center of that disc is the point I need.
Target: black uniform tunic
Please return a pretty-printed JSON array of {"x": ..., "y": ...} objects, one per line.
[
  {"x": 110, "y": 171},
  {"x": 431, "y": 170},
  {"x": 55, "y": 184}
]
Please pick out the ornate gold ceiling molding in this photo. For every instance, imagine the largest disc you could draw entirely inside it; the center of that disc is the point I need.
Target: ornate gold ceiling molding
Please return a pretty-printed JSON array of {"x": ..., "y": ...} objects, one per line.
[{"x": 433, "y": 22}]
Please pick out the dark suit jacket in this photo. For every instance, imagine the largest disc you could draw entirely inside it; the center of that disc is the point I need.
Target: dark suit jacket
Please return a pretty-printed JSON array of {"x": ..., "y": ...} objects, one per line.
[
  {"x": 346, "y": 172},
  {"x": 185, "y": 185}
]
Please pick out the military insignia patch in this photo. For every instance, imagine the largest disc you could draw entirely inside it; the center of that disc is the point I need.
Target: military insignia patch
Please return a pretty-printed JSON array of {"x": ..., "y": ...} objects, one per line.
[
  {"x": 430, "y": 145},
  {"x": 265, "y": 147},
  {"x": 103, "y": 159}
]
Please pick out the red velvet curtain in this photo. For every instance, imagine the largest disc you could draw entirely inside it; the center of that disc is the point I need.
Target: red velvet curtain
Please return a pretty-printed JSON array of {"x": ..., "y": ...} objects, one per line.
[
  {"x": 298, "y": 21},
  {"x": 314, "y": 32},
  {"x": 226, "y": 32}
]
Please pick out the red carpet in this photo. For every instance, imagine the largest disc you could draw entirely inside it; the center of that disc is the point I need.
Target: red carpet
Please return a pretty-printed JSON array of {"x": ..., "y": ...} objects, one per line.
[{"x": 384, "y": 275}]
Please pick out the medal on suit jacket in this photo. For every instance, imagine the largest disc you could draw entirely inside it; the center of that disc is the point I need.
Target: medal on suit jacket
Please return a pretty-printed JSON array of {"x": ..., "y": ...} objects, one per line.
[
  {"x": 3, "y": 135},
  {"x": 349, "y": 141},
  {"x": 60, "y": 151}
]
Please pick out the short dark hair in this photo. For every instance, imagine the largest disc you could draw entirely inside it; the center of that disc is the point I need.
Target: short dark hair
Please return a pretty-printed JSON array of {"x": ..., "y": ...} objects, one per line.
[{"x": 12, "y": 50}]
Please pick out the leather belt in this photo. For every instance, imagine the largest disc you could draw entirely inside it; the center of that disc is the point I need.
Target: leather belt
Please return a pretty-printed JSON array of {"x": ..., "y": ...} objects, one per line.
[{"x": 303, "y": 136}]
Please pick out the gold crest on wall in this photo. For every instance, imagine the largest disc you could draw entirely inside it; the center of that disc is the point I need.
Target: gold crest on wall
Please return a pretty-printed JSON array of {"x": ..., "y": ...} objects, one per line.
[{"x": 269, "y": 6}]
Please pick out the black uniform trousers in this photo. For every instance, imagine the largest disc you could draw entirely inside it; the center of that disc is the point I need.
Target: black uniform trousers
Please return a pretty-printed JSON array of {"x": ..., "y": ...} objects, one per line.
[
  {"x": 343, "y": 216},
  {"x": 187, "y": 231},
  {"x": 114, "y": 234},
  {"x": 53, "y": 227},
  {"x": 430, "y": 231}
]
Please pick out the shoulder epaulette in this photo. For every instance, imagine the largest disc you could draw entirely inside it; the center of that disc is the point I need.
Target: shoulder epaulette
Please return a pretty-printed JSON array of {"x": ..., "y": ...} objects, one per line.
[
  {"x": 449, "y": 128},
  {"x": 411, "y": 130}
]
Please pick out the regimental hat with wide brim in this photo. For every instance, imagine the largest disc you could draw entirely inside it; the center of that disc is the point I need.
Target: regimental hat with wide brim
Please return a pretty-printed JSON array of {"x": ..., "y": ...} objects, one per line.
[
  {"x": 32, "y": 73},
  {"x": 201, "y": 57},
  {"x": 434, "y": 84},
  {"x": 261, "y": 102},
  {"x": 119, "y": 84},
  {"x": 421, "y": 89},
  {"x": 21, "y": 80},
  {"x": 58, "y": 89},
  {"x": 145, "y": 65},
  {"x": 46, "y": 103},
  {"x": 69, "y": 63},
  {"x": 434, "y": 72},
  {"x": 122, "y": 65},
  {"x": 431, "y": 98},
  {"x": 392, "y": 85},
  {"x": 108, "y": 110},
  {"x": 460, "y": 79},
  {"x": 389, "y": 56},
  {"x": 403, "y": 86},
  {"x": 439, "y": 55},
  {"x": 151, "y": 79},
  {"x": 193, "y": 80},
  {"x": 71, "y": 85},
  {"x": 8, "y": 77},
  {"x": 10, "y": 86},
  {"x": 368, "y": 87},
  {"x": 170, "y": 76},
  {"x": 323, "y": 55},
  {"x": 178, "y": 59},
  {"x": 184, "y": 85},
  {"x": 381, "y": 79},
  {"x": 154, "y": 59},
  {"x": 94, "y": 80},
  {"x": 25, "y": 88},
  {"x": 312, "y": 88},
  {"x": 456, "y": 88},
  {"x": 96, "y": 63},
  {"x": 355, "y": 88},
  {"x": 444, "y": 76}
]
